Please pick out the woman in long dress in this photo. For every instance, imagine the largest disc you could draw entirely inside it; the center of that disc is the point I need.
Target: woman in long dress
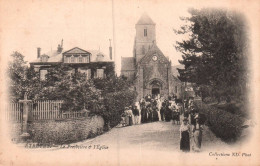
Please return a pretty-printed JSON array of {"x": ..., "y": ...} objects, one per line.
[
  {"x": 185, "y": 136},
  {"x": 197, "y": 134},
  {"x": 126, "y": 116}
]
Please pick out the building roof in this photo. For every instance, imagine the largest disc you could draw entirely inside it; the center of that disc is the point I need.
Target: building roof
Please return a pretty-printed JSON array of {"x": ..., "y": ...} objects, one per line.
[
  {"x": 96, "y": 53},
  {"x": 127, "y": 63},
  {"x": 154, "y": 50},
  {"x": 175, "y": 69},
  {"x": 54, "y": 56},
  {"x": 76, "y": 50},
  {"x": 145, "y": 20}
]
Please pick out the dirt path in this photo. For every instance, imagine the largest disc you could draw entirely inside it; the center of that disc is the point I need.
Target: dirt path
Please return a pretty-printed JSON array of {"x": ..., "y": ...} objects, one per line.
[{"x": 159, "y": 136}]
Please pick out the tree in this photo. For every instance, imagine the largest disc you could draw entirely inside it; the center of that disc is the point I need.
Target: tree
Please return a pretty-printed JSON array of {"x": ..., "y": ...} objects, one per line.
[
  {"x": 215, "y": 55},
  {"x": 72, "y": 88},
  {"x": 21, "y": 78},
  {"x": 117, "y": 94},
  {"x": 16, "y": 72}
]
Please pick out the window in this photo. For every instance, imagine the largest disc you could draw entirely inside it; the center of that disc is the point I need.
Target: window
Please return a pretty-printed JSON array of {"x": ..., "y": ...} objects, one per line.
[
  {"x": 88, "y": 74},
  {"x": 44, "y": 58},
  {"x": 72, "y": 59},
  {"x": 145, "y": 32},
  {"x": 43, "y": 74},
  {"x": 86, "y": 59},
  {"x": 176, "y": 89},
  {"x": 67, "y": 59},
  {"x": 80, "y": 59},
  {"x": 100, "y": 73}
]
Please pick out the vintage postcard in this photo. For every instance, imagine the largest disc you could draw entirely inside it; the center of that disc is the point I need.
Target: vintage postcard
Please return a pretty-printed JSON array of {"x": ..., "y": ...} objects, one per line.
[{"x": 132, "y": 82}]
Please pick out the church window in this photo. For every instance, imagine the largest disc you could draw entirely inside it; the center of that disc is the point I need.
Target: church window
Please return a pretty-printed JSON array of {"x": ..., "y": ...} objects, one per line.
[{"x": 145, "y": 32}]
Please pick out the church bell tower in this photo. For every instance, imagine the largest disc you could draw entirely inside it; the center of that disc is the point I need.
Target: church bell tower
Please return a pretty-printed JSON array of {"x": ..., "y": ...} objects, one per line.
[{"x": 145, "y": 36}]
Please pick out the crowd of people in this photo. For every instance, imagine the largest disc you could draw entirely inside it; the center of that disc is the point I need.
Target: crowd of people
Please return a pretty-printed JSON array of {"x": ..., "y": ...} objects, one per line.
[
  {"x": 183, "y": 113},
  {"x": 151, "y": 109}
]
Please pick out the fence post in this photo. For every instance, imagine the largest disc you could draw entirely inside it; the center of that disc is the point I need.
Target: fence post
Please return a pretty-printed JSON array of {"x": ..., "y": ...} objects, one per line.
[{"x": 26, "y": 104}]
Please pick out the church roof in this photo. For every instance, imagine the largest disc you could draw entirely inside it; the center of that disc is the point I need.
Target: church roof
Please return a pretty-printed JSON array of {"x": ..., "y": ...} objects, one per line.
[
  {"x": 175, "y": 70},
  {"x": 154, "y": 50},
  {"x": 127, "y": 63},
  {"x": 144, "y": 20}
]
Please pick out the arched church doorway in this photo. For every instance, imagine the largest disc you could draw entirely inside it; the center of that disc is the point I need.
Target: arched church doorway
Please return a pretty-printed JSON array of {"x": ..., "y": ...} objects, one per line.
[
  {"x": 156, "y": 87},
  {"x": 155, "y": 91}
]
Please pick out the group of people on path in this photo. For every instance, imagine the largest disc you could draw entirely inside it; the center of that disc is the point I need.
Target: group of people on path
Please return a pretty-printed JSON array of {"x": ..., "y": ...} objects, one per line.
[
  {"x": 151, "y": 109},
  {"x": 191, "y": 129},
  {"x": 183, "y": 113},
  {"x": 130, "y": 116}
]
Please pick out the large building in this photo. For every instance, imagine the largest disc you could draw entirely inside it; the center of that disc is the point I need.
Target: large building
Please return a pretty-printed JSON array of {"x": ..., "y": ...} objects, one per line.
[
  {"x": 93, "y": 63},
  {"x": 149, "y": 68}
]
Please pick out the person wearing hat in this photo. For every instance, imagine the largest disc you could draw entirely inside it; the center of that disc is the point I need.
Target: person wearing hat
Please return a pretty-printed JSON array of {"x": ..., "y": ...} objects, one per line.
[
  {"x": 136, "y": 115},
  {"x": 197, "y": 133},
  {"x": 130, "y": 115},
  {"x": 126, "y": 116},
  {"x": 185, "y": 136}
]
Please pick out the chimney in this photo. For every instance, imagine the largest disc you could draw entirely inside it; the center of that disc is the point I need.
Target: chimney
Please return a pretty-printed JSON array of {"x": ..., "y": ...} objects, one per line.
[
  {"x": 110, "y": 50},
  {"x": 60, "y": 47},
  {"x": 38, "y": 52}
]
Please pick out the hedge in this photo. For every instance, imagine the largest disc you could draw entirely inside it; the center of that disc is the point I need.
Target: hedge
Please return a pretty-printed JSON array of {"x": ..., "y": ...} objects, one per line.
[
  {"x": 65, "y": 131},
  {"x": 225, "y": 125}
]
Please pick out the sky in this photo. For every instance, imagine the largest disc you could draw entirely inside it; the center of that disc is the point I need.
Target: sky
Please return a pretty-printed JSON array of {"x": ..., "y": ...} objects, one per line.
[{"x": 89, "y": 24}]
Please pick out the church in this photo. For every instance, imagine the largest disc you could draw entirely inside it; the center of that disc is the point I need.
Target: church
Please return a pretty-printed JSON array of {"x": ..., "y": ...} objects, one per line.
[{"x": 149, "y": 69}]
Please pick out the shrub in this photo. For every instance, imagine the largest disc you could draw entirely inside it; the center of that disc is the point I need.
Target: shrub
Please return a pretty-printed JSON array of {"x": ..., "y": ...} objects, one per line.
[
  {"x": 115, "y": 104},
  {"x": 65, "y": 131},
  {"x": 224, "y": 124},
  {"x": 117, "y": 94}
]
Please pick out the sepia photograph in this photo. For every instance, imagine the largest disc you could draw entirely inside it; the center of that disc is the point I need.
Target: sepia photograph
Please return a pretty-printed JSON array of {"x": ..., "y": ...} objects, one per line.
[{"x": 132, "y": 82}]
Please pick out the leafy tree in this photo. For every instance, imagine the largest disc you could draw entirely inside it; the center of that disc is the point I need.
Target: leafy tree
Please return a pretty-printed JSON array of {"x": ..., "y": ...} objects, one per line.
[
  {"x": 21, "y": 78},
  {"x": 73, "y": 89},
  {"x": 16, "y": 72},
  {"x": 215, "y": 55},
  {"x": 103, "y": 96},
  {"x": 117, "y": 94}
]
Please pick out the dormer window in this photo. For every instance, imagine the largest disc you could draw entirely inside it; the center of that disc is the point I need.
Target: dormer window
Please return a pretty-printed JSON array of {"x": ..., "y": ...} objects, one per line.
[
  {"x": 100, "y": 57},
  {"x": 145, "y": 32},
  {"x": 44, "y": 58},
  {"x": 72, "y": 60},
  {"x": 80, "y": 59}
]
